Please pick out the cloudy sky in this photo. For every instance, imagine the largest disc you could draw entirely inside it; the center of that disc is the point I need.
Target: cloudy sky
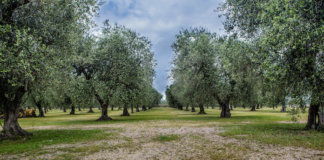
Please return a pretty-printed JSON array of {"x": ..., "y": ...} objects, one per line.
[{"x": 160, "y": 21}]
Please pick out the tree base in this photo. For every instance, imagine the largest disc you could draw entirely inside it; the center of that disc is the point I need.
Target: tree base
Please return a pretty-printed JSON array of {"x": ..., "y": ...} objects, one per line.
[
  {"x": 225, "y": 116},
  {"x": 202, "y": 112},
  {"x": 91, "y": 111},
  {"x": 104, "y": 118},
  {"x": 14, "y": 132},
  {"x": 125, "y": 114}
]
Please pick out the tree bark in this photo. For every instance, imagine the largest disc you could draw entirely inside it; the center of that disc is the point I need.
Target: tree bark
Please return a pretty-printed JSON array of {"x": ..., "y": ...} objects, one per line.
[
  {"x": 72, "y": 110},
  {"x": 180, "y": 107},
  {"x": 64, "y": 109},
  {"x": 201, "y": 109},
  {"x": 187, "y": 107},
  {"x": 144, "y": 108},
  {"x": 193, "y": 109},
  {"x": 253, "y": 108},
  {"x": 40, "y": 110},
  {"x": 79, "y": 108},
  {"x": 283, "y": 107},
  {"x": 226, "y": 112},
  {"x": 104, "y": 113},
  {"x": 90, "y": 110},
  {"x": 137, "y": 109},
  {"x": 112, "y": 107},
  {"x": 125, "y": 112},
  {"x": 257, "y": 106},
  {"x": 11, "y": 127},
  {"x": 132, "y": 108}
]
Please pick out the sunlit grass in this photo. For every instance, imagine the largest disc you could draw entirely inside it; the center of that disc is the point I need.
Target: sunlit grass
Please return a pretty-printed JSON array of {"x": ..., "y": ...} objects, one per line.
[{"x": 266, "y": 126}]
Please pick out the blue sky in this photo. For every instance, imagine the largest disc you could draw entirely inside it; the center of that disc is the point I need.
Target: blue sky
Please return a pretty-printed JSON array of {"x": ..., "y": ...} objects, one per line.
[{"x": 160, "y": 21}]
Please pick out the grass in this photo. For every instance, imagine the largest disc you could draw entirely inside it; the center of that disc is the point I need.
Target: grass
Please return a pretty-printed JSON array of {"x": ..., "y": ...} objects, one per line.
[
  {"x": 43, "y": 138},
  {"x": 265, "y": 126},
  {"x": 166, "y": 138},
  {"x": 279, "y": 134}
]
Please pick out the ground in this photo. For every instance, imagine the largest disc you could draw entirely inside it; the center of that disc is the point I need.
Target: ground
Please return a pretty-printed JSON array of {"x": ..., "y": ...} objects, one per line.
[{"x": 166, "y": 133}]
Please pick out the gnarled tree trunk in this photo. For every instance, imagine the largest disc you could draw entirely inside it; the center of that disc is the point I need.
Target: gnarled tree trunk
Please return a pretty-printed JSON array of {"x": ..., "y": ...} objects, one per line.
[
  {"x": 187, "y": 107},
  {"x": 72, "y": 110},
  {"x": 283, "y": 107},
  {"x": 193, "y": 109},
  {"x": 104, "y": 113},
  {"x": 201, "y": 109},
  {"x": 90, "y": 110},
  {"x": 226, "y": 112},
  {"x": 253, "y": 108},
  {"x": 313, "y": 121},
  {"x": 143, "y": 108},
  {"x": 137, "y": 109},
  {"x": 40, "y": 110},
  {"x": 11, "y": 127},
  {"x": 132, "y": 108},
  {"x": 125, "y": 112}
]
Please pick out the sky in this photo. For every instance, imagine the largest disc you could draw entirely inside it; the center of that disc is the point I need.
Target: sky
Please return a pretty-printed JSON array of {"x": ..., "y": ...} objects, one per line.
[{"x": 160, "y": 21}]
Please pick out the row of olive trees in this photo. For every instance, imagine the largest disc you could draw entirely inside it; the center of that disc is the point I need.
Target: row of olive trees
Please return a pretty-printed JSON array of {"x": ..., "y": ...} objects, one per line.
[
  {"x": 48, "y": 58},
  {"x": 208, "y": 69},
  {"x": 279, "y": 56}
]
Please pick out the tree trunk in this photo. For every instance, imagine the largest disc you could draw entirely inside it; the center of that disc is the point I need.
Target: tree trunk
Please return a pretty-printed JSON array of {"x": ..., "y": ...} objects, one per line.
[
  {"x": 72, "y": 110},
  {"x": 112, "y": 107},
  {"x": 243, "y": 106},
  {"x": 137, "y": 109},
  {"x": 11, "y": 127},
  {"x": 125, "y": 112},
  {"x": 257, "y": 106},
  {"x": 40, "y": 110},
  {"x": 315, "y": 114},
  {"x": 283, "y": 107},
  {"x": 193, "y": 109},
  {"x": 104, "y": 113},
  {"x": 321, "y": 118},
  {"x": 64, "y": 109},
  {"x": 226, "y": 112},
  {"x": 202, "y": 109},
  {"x": 79, "y": 108},
  {"x": 143, "y": 108},
  {"x": 180, "y": 107},
  {"x": 132, "y": 108},
  {"x": 90, "y": 110},
  {"x": 187, "y": 107},
  {"x": 253, "y": 108}
]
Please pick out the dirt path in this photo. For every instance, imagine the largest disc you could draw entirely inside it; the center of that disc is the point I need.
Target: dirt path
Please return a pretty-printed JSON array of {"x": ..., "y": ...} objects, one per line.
[{"x": 192, "y": 141}]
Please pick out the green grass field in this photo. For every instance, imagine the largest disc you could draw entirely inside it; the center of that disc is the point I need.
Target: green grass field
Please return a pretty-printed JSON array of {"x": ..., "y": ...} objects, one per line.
[{"x": 63, "y": 136}]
